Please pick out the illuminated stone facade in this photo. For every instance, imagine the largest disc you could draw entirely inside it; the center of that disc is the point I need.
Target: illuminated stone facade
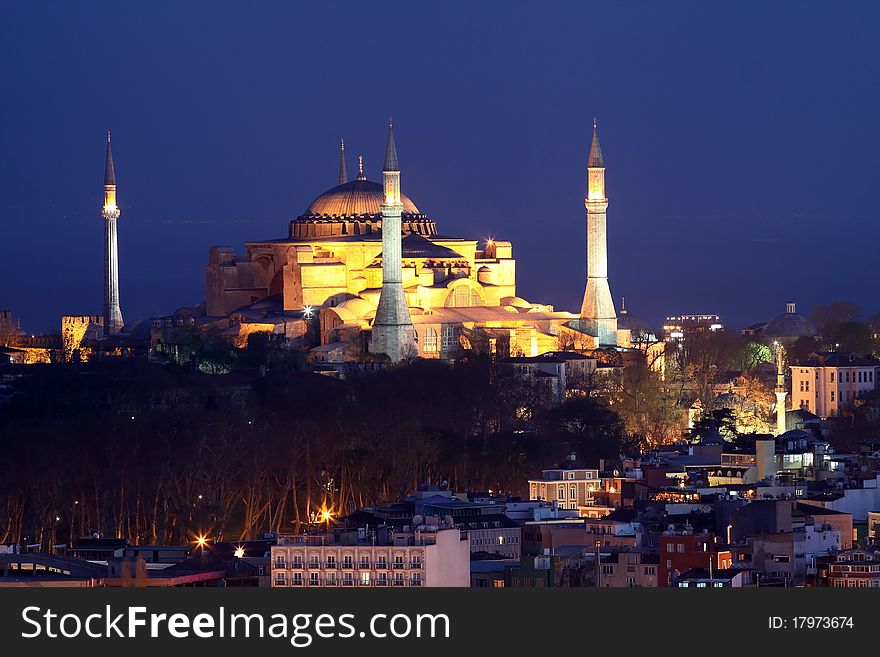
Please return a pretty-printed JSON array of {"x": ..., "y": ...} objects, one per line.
[
  {"x": 458, "y": 293},
  {"x": 76, "y": 330}
]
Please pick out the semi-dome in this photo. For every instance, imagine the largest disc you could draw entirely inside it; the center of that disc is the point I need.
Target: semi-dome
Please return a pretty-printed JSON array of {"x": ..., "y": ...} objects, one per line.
[
  {"x": 632, "y": 323},
  {"x": 353, "y": 199},
  {"x": 629, "y": 322},
  {"x": 790, "y": 324}
]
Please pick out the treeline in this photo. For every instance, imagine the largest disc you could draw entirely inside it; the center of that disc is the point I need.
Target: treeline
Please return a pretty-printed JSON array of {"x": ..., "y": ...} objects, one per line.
[{"x": 160, "y": 454}]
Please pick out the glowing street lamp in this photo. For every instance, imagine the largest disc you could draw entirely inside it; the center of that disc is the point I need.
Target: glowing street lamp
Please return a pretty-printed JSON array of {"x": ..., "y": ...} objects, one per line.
[{"x": 239, "y": 552}]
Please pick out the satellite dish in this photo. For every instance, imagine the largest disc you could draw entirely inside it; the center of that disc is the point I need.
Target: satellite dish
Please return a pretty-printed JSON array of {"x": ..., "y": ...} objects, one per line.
[{"x": 617, "y": 473}]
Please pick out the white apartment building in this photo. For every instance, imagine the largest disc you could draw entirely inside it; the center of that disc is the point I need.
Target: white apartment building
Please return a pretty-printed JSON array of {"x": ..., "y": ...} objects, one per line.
[
  {"x": 569, "y": 488},
  {"x": 432, "y": 556},
  {"x": 830, "y": 383}
]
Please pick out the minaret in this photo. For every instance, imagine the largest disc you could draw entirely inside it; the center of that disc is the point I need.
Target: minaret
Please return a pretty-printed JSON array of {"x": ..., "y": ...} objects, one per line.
[
  {"x": 780, "y": 390},
  {"x": 597, "y": 311},
  {"x": 393, "y": 332},
  {"x": 343, "y": 176},
  {"x": 110, "y": 212}
]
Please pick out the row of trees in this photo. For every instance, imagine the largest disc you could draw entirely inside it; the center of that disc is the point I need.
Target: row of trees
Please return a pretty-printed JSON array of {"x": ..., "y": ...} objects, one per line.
[{"x": 160, "y": 454}]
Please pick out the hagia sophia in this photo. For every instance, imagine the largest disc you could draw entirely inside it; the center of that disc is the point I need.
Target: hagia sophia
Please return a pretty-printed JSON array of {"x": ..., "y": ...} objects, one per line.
[
  {"x": 345, "y": 289},
  {"x": 459, "y": 292}
]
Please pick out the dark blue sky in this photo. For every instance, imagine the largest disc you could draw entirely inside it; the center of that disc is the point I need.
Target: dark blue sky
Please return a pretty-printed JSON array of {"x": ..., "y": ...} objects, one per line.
[{"x": 741, "y": 141}]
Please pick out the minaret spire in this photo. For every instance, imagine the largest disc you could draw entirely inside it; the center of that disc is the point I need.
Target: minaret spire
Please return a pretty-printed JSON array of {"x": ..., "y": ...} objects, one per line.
[
  {"x": 391, "y": 162},
  {"x": 393, "y": 332},
  {"x": 110, "y": 212},
  {"x": 361, "y": 175},
  {"x": 343, "y": 176},
  {"x": 109, "y": 170},
  {"x": 598, "y": 317},
  {"x": 596, "y": 159}
]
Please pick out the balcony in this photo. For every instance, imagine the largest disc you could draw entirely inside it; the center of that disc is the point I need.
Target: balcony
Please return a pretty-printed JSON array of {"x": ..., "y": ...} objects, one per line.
[
  {"x": 381, "y": 582},
  {"x": 279, "y": 565},
  {"x": 296, "y": 565},
  {"x": 398, "y": 582},
  {"x": 398, "y": 565},
  {"x": 331, "y": 565},
  {"x": 416, "y": 565},
  {"x": 416, "y": 582},
  {"x": 347, "y": 565}
]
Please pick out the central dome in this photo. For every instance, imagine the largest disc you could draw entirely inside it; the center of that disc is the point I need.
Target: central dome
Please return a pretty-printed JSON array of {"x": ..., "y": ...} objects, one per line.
[
  {"x": 790, "y": 324},
  {"x": 355, "y": 198}
]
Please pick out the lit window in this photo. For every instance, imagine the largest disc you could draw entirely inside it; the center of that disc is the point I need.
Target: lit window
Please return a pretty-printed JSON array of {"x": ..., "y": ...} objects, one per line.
[
  {"x": 430, "y": 342},
  {"x": 448, "y": 337}
]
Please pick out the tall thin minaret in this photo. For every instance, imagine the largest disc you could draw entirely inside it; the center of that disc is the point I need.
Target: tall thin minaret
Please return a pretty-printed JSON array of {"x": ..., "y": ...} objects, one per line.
[
  {"x": 393, "y": 332},
  {"x": 343, "y": 175},
  {"x": 110, "y": 212},
  {"x": 597, "y": 311},
  {"x": 781, "y": 392}
]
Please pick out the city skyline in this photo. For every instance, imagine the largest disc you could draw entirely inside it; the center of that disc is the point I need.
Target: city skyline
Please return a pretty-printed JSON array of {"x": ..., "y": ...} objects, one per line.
[{"x": 734, "y": 237}]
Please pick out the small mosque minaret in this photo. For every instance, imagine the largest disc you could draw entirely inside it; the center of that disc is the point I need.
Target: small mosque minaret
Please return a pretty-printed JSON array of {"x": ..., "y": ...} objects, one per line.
[
  {"x": 110, "y": 212},
  {"x": 781, "y": 391},
  {"x": 597, "y": 311},
  {"x": 393, "y": 332}
]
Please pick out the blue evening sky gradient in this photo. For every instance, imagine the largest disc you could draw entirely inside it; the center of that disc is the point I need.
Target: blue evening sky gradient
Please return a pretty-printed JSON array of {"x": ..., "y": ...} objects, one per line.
[{"x": 741, "y": 140}]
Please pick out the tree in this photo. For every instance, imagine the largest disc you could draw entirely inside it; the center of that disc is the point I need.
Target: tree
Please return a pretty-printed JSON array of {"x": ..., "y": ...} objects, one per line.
[
  {"x": 802, "y": 348},
  {"x": 648, "y": 408},
  {"x": 721, "y": 420},
  {"x": 702, "y": 360},
  {"x": 828, "y": 317},
  {"x": 855, "y": 337},
  {"x": 587, "y": 427},
  {"x": 751, "y": 402},
  {"x": 752, "y": 355}
]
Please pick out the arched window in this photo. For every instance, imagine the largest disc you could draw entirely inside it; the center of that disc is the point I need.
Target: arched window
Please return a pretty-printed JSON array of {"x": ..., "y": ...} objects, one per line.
[
  {"x": 461, "y": 297},
  {"x": 464, "y": 296},
  {"x": 430, "y": 343}
]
